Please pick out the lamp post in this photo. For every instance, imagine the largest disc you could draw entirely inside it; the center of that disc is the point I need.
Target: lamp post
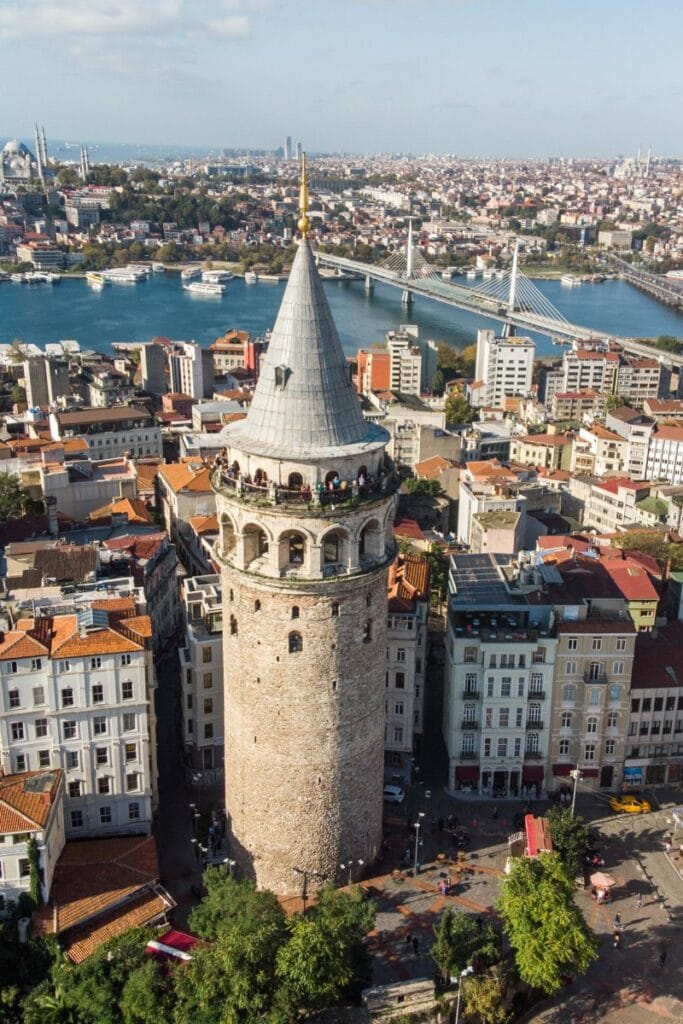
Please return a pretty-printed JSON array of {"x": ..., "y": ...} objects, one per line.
[
  {"x": 463, "y": 974},
  {"x": 195, "y": 844},
  {"x": 576, "y": 776},
  {"x": 349, "y": 865},
  {"x": 417, "y": 840}
]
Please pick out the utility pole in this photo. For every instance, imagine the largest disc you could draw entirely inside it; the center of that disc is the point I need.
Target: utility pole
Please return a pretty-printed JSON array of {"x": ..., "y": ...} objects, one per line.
[
  {"x": 576, "y": 776},
  {"x": 417, "y": 840},
  {"x": 463, "y": 974}
]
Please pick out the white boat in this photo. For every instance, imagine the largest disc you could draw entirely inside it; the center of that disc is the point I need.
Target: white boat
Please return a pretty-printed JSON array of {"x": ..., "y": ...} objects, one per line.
[
  {"x": 41, "y": 277},
  {"x": 216, "y": 276},
  {"x": 471, "y": 275},
  {"x": 96, "y": 280},
  {"x": 250, "y": 277},
  {"x": 158, "y": 268},
  {"x": 204, "y": 288},
  {"x": 18, "y": 278},
  {"x": 446, "y": 275},
  {"x": 124, "y": 275},
  {"x": 140, "y": 268},
  {"x": 570, "y": 280},
  {"x": 190, "y": 274}
]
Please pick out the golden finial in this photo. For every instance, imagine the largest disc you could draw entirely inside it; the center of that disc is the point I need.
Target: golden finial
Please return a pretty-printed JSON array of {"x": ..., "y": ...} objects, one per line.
[{"x": 304, "y": 223}]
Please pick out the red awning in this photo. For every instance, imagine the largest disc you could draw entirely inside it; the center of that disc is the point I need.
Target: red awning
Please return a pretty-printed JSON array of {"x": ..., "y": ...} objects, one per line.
[
  {"x": 537, "y": 835},
  {"x": 589, "y": 773},
  {"x": 467, "y": 773},
  {"x": 532, "y": 773},
  {"x": 561, "y": 769}
]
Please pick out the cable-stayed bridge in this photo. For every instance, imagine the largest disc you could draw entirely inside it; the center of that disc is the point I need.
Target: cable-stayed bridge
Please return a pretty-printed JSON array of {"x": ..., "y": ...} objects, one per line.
[{"x": 509, "y": 296}]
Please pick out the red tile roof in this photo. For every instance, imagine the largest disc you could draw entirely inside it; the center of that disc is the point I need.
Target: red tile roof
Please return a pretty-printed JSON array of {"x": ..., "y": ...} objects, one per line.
[
  {"x": 408, "y": 582},
  {"x": 26, "y": 799}
]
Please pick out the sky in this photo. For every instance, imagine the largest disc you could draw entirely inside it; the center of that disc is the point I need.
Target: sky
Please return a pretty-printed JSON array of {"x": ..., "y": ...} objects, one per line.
[{"x": 513, "y": 78}]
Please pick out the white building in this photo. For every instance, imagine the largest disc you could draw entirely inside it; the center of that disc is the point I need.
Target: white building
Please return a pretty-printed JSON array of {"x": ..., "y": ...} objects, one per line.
[
  {"x": 110, "y": 433},
  {"x": 504, "y": 366},
  {"x": 405, "y": 362},
  {"x": 83, "y": 485},
  {"x": 665, "y": 454},
  {"x": 201, "y": 659},
  {"x": 408, "y": 594},
  {"x": 32, "y": 808},
  {"x": 191, "y": 370},
  {"x": 78, "y": 694}
]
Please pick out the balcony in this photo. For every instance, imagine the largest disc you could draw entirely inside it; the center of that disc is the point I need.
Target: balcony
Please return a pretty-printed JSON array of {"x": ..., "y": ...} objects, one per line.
[
  {"x": 306, "y": 499},
  {"x": 469, "y": 724},
  {"x": 534, "y": 723},
  {"x": 469, "y": 755},
  {"x": 533, "y": 755},
  {"x": 470, "y": 695},
  {"x": 536, "y": 695},
  {"x": 599, "y": 680}
]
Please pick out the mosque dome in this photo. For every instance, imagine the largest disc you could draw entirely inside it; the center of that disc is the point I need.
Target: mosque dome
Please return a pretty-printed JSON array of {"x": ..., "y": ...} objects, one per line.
[{"x": 16, "y": 161}]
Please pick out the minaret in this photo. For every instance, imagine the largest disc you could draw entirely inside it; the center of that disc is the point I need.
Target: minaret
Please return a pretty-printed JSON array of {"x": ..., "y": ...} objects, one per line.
[
  {"x": 44, "y": 149},
  {"x": 39, "y": 155},
  {"x": 305, "y": 499}
]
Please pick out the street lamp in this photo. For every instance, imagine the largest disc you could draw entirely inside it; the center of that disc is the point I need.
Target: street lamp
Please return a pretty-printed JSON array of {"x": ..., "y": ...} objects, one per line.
[
  {"x": 417, "y": 839},
  {"x": 195, "y": 844},
  {"x": 463, "y": 974},
  {"x": 350, "y": 864},
  {"x": 575, "y": 774}
]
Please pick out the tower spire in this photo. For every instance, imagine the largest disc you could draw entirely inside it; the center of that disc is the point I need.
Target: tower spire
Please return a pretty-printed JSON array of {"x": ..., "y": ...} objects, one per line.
[{"x": 304, "y": 223}]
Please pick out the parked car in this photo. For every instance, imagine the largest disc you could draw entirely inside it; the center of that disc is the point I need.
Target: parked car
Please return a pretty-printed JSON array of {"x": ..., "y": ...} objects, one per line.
[
  {"x": 629, "y": 804},
  {"x": 393, "y": 795}
]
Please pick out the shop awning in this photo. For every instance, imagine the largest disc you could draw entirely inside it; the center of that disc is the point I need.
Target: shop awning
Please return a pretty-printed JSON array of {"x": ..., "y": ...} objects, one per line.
[
  {"x": 589, "y": 773},
  {"x": 532, "y": 773},
  {"x": 467, "y": 773},
  {"x": 561, "y": 769},
  {"x": 537, "y": 835}
]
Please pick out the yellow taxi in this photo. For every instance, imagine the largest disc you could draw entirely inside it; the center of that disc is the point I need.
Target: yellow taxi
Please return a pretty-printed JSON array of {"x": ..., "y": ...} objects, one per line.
[{"x": 629, "y": 804}]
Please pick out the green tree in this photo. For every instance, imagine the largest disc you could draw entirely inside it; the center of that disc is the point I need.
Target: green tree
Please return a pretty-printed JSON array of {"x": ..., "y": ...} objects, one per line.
[
  {"x": 18, "y": 394},
  {"x": 438, "y": 382},
  {"x": 147, "y": 996},
  {"x": 570, "y": 838},
  {"x": 484, "y": 996},
  {"x": 669, "y": 343},
  {"x": 458, "y": 409},
  {"x": 227, "y": 898},
  {"x": 546, "y": 930},
  {"x": 325, "y": 954},
  {"x": 655, "y": 544},
  {"x": 467, "y": 360},
  {"x": 460, "y": 942},
  {"x": 35, "y": 888},
  {"x": 430, "y": 487},
  {"x": 13, "y": 498}
]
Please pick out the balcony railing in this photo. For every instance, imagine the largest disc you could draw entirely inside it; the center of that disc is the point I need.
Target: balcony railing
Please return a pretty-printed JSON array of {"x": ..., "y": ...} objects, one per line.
[
  {"x": 469, "y": 755},
  {"x": 305, "y": 497},
  {"x": 469, "y": 724},
  {"x": 599, "y": 679},
  {"x": 534, "y": 723},
  {"x": 536, "y": 695},
  {"x": 470, "y": 695},
  {"x": 533, "y": 755}
]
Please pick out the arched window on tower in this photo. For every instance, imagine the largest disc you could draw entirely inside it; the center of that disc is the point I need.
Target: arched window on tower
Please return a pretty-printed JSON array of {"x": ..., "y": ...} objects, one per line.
[
  {"x": 367, "y": 632},
  {"x": 295, "y": 611},
  {"x": 295, "y": 481},
  {"x": 233, "y": 626},
  {"x": 335, "y": 610},
  {"x": 296, "y": 549},
  {"x": 296, "y": 643}
]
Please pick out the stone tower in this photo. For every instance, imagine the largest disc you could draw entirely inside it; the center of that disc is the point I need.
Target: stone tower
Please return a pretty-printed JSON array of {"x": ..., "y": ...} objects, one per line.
[{"x": 305, "y": 501}]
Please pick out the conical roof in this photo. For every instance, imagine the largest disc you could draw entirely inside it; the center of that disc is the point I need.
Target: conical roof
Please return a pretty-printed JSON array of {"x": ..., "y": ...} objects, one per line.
[{"x": 304, "y": 401}]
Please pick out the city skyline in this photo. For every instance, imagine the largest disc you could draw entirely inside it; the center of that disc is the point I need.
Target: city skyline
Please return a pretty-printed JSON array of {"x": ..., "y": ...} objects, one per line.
[{"x": 472, "y": 77}]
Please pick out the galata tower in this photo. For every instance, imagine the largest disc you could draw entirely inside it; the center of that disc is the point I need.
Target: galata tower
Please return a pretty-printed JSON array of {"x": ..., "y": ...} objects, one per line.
[{"x": 305, "y": 500}]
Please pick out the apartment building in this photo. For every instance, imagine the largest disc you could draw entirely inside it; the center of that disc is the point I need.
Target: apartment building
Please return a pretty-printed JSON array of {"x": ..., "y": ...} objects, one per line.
[
  {"x": 597, "y": 451},
  {"x": 546, "y": 451},
  {"x": 665, "y": 453},
  {"x": 45, "y": 380},
  {"x": 405, "y": 364},
  {"x": 110, "y": 433},
  {"x": 654, "y": 744},
  {"x": 500, "y": 658},
  {"x": 590, "y": 369},
  {"x": 374, "y": 370},
  {"x": 636, "y": 428},
  {"x": 408, "y": 609},
  {"x": 612, "y": 504},
  {"x": 191, "y": 369},
  {"x": 78, "y": 695},
  {"x": 185, "y": 491},
  {"x": 201, "y": 659},
  {"x": 32, "y": 806},
  {"x": 82, "y": 486},
  {"x": 230, "y": 351},
  {"x": 577, "y": 406},
  {"x": 504, "y": 366}
]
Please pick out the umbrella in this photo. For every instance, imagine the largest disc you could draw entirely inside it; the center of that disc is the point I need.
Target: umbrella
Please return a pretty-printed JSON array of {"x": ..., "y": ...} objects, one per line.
[{"x": 602, "y": 881}]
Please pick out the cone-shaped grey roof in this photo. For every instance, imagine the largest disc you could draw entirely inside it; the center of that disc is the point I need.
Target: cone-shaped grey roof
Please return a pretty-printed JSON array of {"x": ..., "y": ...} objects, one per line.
[{"x": 304, "y": 401}]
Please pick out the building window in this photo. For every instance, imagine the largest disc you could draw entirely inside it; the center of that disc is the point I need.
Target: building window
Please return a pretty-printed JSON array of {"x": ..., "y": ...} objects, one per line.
[
  {"x": 398, "y": 709},
  {"x": 95, "y": 663},
  {"x": 487, "y": 746},
  {"x": 105, "y": 815},
  {"x": 502, "y": 748},
  {"x": 468, "y": 743},
  {"x": 189, "y": 702},
  {"x": 131, "y": 752},
  {"x": 635, "y": 705},
  {"x": 518, "y": 746},
  {"x": 520, "y": 686},
  {"x": 36, "y": 664},
  {"x": 536, "y": 683},
  {"x": 398, "y": 734},
  {"x": 532, "y": 743},
  {"x": 208, "y": 731},
  {"x": 470, "y": 655},
  {"x": 233, "y": 626},
  {"x": 621, "y": 643},
  {"x": 8, "y": 668},
  {"x": 335, "y": 610},
  {"x": 572, "y": 643},
  {"x": 77, "y": 819},
  {"x": 489, "y": 687},
  {"x": 101, "y": 756},
  {"x": 503, "y": 718},
  {"x": 67, "y": 697},
  {"x": 594, "y": 697},
  {"x": 20, "y": 763},
  {"x": 38, "y": 695},
  {"x": 126, "y": 659},
  {"x": 127, "y": 690},
  {"x": 471, "y": 682},
  {"x": 612, "y": 719},
  {"x": 295, "y": 643},
  {"x": 615, "y": 692},
  {"x": 519, "y": 717},
  {"x": 129, "y": 721},
  {"x": 505, "y": 686},
  {"x": 43, "y": 758},
  {"x": 98, "y": 694},
  {"x": 367, "y": 632},
  {"x": 74, "y": 790},
  {"x": 133, "y": 811},
  {"x": 103, "y": 785},
  {"x": 597, "y": 643},
  {"x": 207, "y": 654},
  {"x": 99, "y": 725},
  {"x": 207, "y": 680},
  {"x": 592, "y": 725},
  {"x": 17, "y": 729},
  {"x": 72, "y": 759},
  {"x": 400, "y": 654},
  {"x": 589, "y": 752},
  {"x": 399, "y": 680},
  {"x": 69, "y": 730},
  {"x": 564, "y": 747},
  {"x": 257, "y": 606},
  {"x": 132, "y": 782},
  {"x": 570, "y": 668},
  {"x": 566, "y": 720},
  {"x": 64, "y": 666}
]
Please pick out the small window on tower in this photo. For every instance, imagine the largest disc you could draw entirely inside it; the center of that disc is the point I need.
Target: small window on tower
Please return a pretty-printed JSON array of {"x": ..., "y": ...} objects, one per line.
[
  {"x": 281, "y": 375},
  {"x": 233, "y": 626},
  {"x": 257, "y": 606},
  {"x": 295, "y": 612},
  {"x": 296, "y": 643}
]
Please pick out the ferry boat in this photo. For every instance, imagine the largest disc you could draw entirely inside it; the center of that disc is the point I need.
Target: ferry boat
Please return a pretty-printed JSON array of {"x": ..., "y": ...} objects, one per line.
[
  {"x": 250, "y": 277},
  {"x": 570, "y": 280},
  {"x": 140, "y": 268},
  {"x": 216, "y": 276},
  {"x": 190, "y": 274},
  {"x": 124, "y": 275},
  {"x": 204, "y": 288},
  {"x": 96, "y": 280},
  {"x": 41, "y": 277}
]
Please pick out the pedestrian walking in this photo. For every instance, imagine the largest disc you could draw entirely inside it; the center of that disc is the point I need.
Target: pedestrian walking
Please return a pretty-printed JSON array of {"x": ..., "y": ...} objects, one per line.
[
  {"x": 617, "y": 940},
  {"x": 662, "y": 959},
  {"x": 416, "y": 946},
  {"x": 639, "y": 901},
  {"x": 617, "y": 920}
]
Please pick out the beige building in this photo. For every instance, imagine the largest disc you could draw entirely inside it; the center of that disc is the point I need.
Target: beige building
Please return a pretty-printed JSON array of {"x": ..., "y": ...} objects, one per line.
[
  {"x": 499, "y": 532},
  {"x": 201, "y": 661},
  {"x": 545, "y": 451}
]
